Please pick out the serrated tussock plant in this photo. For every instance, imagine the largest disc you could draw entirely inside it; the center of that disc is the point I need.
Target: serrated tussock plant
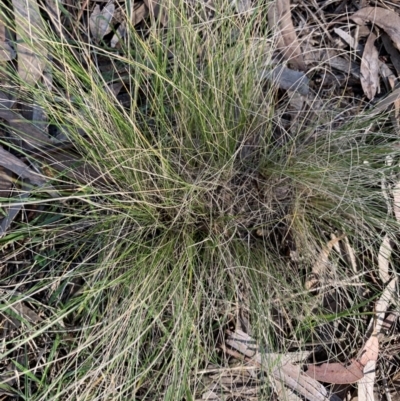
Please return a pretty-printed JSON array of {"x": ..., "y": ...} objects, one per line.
[{"x": 185, "y": 203}]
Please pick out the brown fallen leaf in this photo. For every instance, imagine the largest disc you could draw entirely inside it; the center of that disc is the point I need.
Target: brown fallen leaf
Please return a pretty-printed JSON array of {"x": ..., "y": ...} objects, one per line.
[
  {"x": 285, "y": 78},
  {"x": 289, "y": 374},
  {"x": 386, "y": 19},
  {"x": 389, "y": 296},
  {"x": 11, "y": 212},
  {"x": 393, "y": 52},
  {"x": 387, "y": 75},
  {"x": 119, "y": 34},
  {"x": 273, "y": 23},
  {"x": 391, "y": 79},
  {"x": 366, "y": 384},
  {"x": 100, "y": 20},
  {"x": 243, "y": 6},
  {"x": 31, "y": 52},
  {"x": 7, "y": 52},
  {"x": 315, "y": 56},
  {"x": 370, "y": 68},
  {"x": 68, "y": 164},
  {"x": 6, "y": 183},
  {"x": 387, "y": 101},
  {"x": 346, "y": 37},
  {"x": 384, "y": 254},
  {"x": 140, "y": 12},
  {"x": 287, "y": 41},
  {"x": 363, "y": 367},
  {"x": 370, "y": 350},
  {"x": 12, "y": 163},
  {"x": 19, "y": 313},
  {"x": 157, "y": 11},
  {"x": 19, "y": 168},
  {"x": 336, "y": 373},
  {"x": 23, "y": 128},
  {"x": 210, "y": 396},
  {"x": 54, "y": 13}
]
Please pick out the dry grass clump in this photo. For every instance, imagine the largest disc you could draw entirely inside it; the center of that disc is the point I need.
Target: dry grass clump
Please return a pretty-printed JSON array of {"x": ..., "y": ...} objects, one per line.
[{"x": 193, "y": 200}]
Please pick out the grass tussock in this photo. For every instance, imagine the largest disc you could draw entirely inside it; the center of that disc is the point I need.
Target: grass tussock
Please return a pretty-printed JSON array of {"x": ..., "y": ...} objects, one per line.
[{"x": 193, "y": 210}]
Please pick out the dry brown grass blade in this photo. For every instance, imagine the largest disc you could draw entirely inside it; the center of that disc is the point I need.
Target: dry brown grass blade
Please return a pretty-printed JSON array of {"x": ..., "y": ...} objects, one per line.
[
  {"x": 349, "y": 252},
  {"x": 370, "y": 68},
  {"x": 388, "y": 20},
  {"x": 288, "y": 43}
]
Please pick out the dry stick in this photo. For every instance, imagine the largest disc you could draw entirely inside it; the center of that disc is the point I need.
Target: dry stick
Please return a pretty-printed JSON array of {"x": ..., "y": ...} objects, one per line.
[
  {"x": 80, "y": 13},
  {"x": 292, "y": 51}
]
